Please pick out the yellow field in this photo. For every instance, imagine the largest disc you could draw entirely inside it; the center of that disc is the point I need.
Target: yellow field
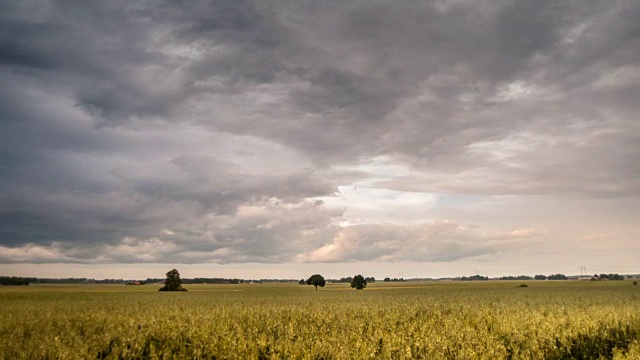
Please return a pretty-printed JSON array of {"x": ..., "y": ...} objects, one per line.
[{"x": 428, "y": 320}]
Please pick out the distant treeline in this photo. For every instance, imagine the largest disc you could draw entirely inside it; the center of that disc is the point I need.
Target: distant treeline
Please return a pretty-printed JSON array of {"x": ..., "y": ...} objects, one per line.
[
  {"x": 12, "y": 280},
  {"x": 474, "y": 278},
  {"x": 542, "y": 277},
  {"x": 349, "y": 279},
  {"x": 519, "y": 277},
  {"x": 608, "y": 277}
]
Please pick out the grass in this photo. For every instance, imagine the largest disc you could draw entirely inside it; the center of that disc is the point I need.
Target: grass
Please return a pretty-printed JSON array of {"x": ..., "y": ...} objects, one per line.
[{"x": 430, "y": 320}]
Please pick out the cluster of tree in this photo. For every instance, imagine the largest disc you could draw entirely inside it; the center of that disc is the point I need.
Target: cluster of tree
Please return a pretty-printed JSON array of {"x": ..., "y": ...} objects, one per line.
[
  {"x": 393, "y": 280},
  {"x": 357, "y": 282},
  {"x": 173, "y": 282},
  {"x": 349, "y": 279},
  {"x": 608, "y": 277},
  {"x": 519, "y": 277},
  {"x": 474, "y": 278},
  {"x": 6, "y": 280}
]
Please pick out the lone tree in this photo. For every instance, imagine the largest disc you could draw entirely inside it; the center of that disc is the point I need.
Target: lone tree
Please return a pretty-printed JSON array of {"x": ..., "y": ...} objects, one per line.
[
  {"x": 358, "y": 282},
  {"x": 316, "y": 280},
  {"x": 173, "y": 282}
]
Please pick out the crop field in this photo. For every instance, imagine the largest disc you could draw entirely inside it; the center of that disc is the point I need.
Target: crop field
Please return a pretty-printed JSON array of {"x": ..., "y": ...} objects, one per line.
[{"x": 421, "y": 320}]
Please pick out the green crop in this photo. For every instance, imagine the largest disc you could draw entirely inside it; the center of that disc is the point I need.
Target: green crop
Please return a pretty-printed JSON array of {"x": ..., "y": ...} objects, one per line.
[{"x": 430, "y": 320}]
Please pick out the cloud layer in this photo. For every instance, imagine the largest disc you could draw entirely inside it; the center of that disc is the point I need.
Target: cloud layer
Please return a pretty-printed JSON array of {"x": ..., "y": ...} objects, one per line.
[{"x": 240, "y": 132}]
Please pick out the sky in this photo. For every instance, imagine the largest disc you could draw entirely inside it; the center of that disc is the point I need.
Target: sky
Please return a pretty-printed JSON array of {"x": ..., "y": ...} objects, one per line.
[{"x": 278, "y": 139}]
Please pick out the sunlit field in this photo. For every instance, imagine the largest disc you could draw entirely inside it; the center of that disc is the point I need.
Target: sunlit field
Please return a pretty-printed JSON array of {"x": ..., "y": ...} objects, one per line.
[{"x": 421, "y": 320}]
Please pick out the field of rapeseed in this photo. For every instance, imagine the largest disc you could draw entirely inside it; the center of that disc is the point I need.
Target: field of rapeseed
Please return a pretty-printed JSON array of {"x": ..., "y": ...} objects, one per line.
[{"x": 430, "y": 320}]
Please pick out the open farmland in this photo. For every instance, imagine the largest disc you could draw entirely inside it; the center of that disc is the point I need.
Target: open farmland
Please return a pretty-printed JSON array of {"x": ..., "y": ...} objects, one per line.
[{"x": 430, "y": 320}]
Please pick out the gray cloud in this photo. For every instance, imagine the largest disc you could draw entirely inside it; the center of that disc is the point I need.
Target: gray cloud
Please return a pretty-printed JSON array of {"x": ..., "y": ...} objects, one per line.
[
  {"x": 268, "y": 232},
  {"x": 123, "y": 123}
]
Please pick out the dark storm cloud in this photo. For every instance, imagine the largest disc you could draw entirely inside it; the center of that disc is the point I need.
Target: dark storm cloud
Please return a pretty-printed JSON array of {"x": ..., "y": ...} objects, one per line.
[
  {"x": 92, "y": 51},
  {"x": 414, "y": 79},
  {"x": 149, "y": 127}
]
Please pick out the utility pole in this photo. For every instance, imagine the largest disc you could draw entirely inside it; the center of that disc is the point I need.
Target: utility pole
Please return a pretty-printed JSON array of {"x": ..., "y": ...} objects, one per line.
[{"x": 583, "y": 270}]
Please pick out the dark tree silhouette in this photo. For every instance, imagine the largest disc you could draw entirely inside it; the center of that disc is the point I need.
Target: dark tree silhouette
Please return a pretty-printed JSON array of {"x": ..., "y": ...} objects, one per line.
[
  {"x": 173, "y": 282},
  {"x": 557, "y": 277},
  {"x": 316, "y": 280},
  {"x": 358, "y": 282},
  {"x": 5, "y": 280}
]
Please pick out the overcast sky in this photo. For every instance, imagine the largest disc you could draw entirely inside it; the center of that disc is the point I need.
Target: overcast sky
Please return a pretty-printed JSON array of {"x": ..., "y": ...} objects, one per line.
[{"x": 284, "y": 138}]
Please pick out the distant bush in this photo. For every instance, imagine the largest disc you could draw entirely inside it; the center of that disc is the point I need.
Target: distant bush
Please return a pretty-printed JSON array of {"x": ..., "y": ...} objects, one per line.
[{"x": 523, "y": 285}]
